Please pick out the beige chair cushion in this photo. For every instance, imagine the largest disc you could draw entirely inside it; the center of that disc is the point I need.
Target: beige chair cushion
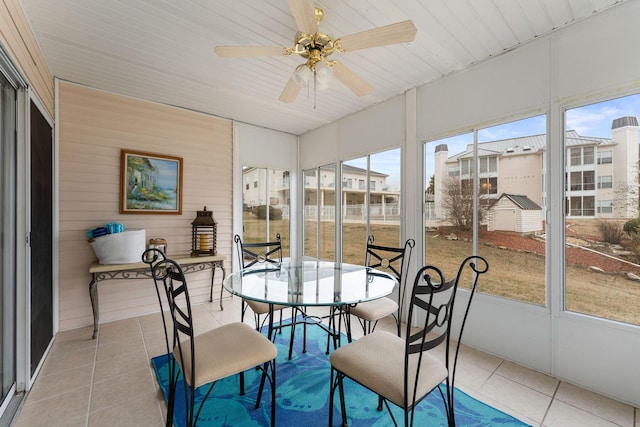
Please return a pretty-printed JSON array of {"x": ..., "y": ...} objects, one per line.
[
  {"x": 262, "y": 308},
  {"x": 376, "y": 309},
  {"x": 377, "y": 362},
  {"x": 225, "y": 351}
]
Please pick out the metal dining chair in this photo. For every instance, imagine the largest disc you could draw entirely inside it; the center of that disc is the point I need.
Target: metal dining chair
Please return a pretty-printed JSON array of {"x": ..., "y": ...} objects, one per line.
[
  {"x": 392, "y": 260},
  {"x": 206, "y": 358},
  {"x": 402, "y": 370},
  {"x": 264, "y": 255}
]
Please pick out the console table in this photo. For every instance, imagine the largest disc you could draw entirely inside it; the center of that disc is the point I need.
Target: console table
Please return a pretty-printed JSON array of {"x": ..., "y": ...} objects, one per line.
[{"x": 137, "y": 270}]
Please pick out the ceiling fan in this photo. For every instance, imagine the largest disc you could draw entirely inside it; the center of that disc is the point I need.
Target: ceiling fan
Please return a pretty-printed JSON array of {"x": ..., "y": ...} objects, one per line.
[{"x": 316, "y": 47}]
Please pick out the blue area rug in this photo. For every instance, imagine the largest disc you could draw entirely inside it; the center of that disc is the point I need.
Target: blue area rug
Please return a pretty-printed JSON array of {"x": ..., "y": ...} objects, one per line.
[{"x": 302, "y": 396}]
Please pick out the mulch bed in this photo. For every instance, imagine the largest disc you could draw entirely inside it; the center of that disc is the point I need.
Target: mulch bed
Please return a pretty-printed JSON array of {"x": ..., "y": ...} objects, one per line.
[{"x": 575, "y": 256}]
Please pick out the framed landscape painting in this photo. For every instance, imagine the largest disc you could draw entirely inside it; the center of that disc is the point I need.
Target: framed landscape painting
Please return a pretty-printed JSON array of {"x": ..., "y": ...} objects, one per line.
[{"x": 150, "y": 183}]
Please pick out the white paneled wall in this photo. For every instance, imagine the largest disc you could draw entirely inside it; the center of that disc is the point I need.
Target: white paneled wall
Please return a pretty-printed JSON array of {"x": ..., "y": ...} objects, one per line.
[
  {"x": 589, "y": 61},
  {"x": 94, "y": 127}
]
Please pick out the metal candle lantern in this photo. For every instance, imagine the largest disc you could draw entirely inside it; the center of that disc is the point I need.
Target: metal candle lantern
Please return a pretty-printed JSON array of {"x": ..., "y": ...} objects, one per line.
[{"x": 203, "y": 234}]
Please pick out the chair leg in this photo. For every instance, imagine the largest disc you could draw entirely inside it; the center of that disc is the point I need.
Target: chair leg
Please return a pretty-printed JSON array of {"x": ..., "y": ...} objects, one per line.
[
  {"x": 337, "y": 382},
  {"x": 171, "y": 404},
  {"x": 206, "y": 396},
  {"x": 332, "y": 324},
  {"x": 347, "y": 324},
  {"x": 451, "y": 416},
  {"x": 293, "y": 331},
  {"x": 272, "y": 381},
  {"x": 343, "y": 405},
  {"x": 448, "y": 403},
  {"x": 173, "y": 382},
  {"x": 273, "y": 393},
  {"x": 263, "y": 377},
  {"x": 304, "y": 333}
]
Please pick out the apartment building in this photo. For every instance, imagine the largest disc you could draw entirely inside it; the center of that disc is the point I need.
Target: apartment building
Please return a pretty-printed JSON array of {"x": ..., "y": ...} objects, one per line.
[{"x": 601, "y": 179}]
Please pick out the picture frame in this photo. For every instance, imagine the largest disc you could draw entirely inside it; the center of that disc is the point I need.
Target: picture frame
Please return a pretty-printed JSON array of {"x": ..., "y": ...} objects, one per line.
[{"x": 150, "y": 183}]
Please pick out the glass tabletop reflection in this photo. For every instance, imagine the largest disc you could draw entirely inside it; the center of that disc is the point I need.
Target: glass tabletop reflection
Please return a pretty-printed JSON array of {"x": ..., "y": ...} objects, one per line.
[{"x": 310, "y": 282}]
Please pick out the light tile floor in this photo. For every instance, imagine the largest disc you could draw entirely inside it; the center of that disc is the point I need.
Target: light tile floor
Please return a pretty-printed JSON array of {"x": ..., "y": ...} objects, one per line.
[{"x": 109, "y": 381}]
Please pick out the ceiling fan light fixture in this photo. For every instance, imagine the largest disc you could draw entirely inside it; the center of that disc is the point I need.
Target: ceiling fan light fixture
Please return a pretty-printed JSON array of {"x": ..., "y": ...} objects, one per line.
[
  {"x": 302, "y": 75},
  {"x": 323, "y": 72},
  {"x": 316, "y": 47}
]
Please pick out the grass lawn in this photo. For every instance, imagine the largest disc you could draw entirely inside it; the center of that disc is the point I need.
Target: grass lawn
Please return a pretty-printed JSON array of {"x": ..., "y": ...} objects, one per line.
[{"x": 512, "y": 274}]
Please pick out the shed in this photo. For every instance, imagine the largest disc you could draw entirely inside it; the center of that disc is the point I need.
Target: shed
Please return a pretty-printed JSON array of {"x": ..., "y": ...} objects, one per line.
[{"x": 514, "y": 212}]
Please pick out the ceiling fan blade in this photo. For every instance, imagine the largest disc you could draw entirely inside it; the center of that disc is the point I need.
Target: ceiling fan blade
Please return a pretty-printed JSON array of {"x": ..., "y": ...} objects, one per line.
[
  {"x": 290, "y": 91},
  {"x": 237, "y": 51},
  {"x": 400, "y": 32},
  {"x": 351, "y": 80},
  {"x": 304, "y": 12}
]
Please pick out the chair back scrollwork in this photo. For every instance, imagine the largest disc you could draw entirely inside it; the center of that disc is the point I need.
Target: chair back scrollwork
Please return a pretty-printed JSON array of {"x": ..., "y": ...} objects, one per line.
[
  {"x": 432, "y": 304},
  {"x": 395, "y": 261},
  {"x": 261, "y": 253}
]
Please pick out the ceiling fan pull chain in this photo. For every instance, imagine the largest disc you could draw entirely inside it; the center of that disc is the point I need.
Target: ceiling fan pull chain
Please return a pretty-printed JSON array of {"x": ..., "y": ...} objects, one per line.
[{"x": 315, "y": 87}]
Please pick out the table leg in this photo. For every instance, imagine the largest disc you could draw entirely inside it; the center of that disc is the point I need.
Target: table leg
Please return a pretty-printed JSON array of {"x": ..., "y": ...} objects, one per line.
[
  {"x": 213, "y": 275},
  {"x": 93, "y": 294},
  {"x": 270, "y": 333},
  {"x": 224, "y": 274}
]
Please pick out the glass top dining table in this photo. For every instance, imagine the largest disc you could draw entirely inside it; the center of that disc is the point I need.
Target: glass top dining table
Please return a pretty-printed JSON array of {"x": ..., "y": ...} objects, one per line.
[{"x": 310, "y": 283}]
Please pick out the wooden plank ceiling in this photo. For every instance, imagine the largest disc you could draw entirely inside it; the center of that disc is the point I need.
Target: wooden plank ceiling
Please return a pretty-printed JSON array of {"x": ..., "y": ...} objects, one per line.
[{"x": 162, "y": 50}]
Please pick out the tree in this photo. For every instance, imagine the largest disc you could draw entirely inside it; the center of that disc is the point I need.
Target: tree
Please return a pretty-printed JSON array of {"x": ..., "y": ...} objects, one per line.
[
  {"x": 626, "y": 202},
  {"x": 457, "y": 202},
  {"x": 432, "y": 185}
]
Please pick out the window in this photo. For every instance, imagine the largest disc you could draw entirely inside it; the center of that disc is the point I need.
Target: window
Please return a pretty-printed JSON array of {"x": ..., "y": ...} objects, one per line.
[
  {"x": 488, "y": 185},
  {"x": 576, "y": 156},
  {"x": 605, "y": 206},
  {"x": 266, "y": 206},
  {"x": 588, "y": 180},
  {"x": 576, "y": 181},
  {"x": 582, "y": 155},
  {"x": 605, "y": 157},
  {"x": 582, "y": 181},
  {"x": 615, "y": 123},
  {"x": 367, "y": 213},
  {"x": 605, "y": 181},
  {"x": 451, "y": 208},
  {"x": 361, "y": 184},
  {"x": 448, "y": 209},
  {"x": 488, "y": 164},
  {"x": 319, "y": 213},
  {"x": 582, "y": 206},
  {"x": 465, "y": 167},
  {"x": 587, "y": 155}
]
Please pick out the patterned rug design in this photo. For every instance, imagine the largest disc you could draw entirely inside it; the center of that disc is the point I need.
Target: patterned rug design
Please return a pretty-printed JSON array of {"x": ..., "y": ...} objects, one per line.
[{"x": 302, "y": 396}]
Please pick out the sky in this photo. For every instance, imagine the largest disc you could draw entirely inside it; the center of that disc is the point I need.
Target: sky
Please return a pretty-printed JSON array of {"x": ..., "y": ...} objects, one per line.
[
  {"x": 590, "y": 120},
  {"x": 387, "y": 162},
  {"x": 167, "y": 172}
]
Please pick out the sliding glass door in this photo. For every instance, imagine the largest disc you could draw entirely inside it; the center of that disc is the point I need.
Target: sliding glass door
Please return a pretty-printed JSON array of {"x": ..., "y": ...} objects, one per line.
[{"x": 8, "y": 243}]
